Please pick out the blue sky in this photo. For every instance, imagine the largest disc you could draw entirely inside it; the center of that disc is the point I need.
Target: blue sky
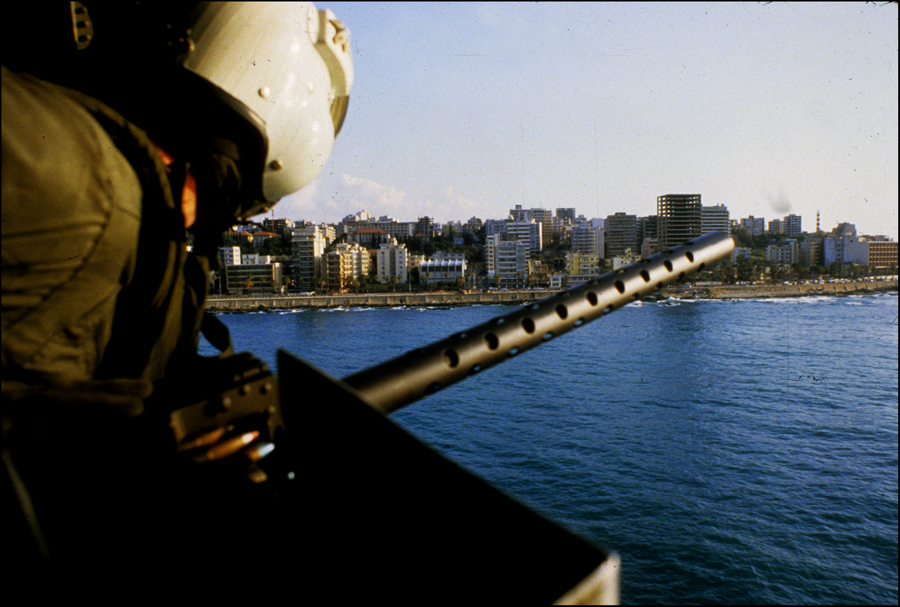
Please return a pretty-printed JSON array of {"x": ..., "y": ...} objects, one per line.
[{"x": 462, "y": 110}]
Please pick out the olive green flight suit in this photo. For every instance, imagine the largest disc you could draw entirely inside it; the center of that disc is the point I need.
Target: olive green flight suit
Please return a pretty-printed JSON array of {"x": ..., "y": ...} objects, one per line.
[
  {"x": 99, "y": 298},
  {"x": 88, "y": 220}
]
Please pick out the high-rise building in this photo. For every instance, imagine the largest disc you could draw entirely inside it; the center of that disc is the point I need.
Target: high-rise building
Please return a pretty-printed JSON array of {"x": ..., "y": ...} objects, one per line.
[
  {"x": 542, "y": 216},
  {"x": 345, "y": 265},
  {"x": 278, "y": 226},
  {"x": 621, "y": 233},
  {"x": 391, "y": 263},
  {"x": 568, "y": 213},
  {"x": 679, "y": 218},
  {"x": 545, "y": 218},
  {"x": 792, "y": 225},
  {"x": 518, "y": 213},
  {"x": 754, "y": 225},
  {"x": 425, "y": 226},
  {"x": 562, "y": 228},
  {"x": 307, "y": 246},
  {"x": 587, "y": 240},
  {"x": 507, "y": 260},
  {"x": 648, "y": 228},
  {"x": 811, "y": 252},
  {"x": 714, "y": 219},
  {"x": 528, "y": 232},
  {"x": 834, "y": 244}
]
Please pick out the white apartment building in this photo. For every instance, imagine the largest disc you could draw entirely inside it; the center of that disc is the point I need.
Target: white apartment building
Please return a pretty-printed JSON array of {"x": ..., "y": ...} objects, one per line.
[
  {"x": 230, "y": 256},
  {"x": 442, "y": 270},
  {"x": 308, "y": 247},
  {"x": 507, "y": 259},
  {"x": 529, "y": 232},
  {"x": 543, "y": 217},
  {"x": 835, "y": 243},
  {"x": 391, "y": 263}
]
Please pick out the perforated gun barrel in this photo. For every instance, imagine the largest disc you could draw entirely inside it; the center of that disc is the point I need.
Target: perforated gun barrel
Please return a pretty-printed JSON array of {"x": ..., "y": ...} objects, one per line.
[{"x": 418, "y": 373}]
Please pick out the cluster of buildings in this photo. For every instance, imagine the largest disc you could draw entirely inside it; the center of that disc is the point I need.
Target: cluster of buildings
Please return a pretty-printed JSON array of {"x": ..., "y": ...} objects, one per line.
[
  {"x": 362, "y": 249},
  {"x": 842, "y": 245}
]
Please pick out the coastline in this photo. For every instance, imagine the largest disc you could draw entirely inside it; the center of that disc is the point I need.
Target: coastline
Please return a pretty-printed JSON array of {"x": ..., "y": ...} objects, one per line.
[
  {"x": 766, "y": 292},
  {"x": 256, "y": 303}
]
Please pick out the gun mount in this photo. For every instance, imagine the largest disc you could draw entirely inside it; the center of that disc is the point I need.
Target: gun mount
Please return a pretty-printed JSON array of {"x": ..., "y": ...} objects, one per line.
[{"x": 423, "y": 371}]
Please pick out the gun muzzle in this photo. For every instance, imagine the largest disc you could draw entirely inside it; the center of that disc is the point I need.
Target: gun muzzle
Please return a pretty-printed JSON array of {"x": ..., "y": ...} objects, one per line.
[{"x": 418, "y": 373}]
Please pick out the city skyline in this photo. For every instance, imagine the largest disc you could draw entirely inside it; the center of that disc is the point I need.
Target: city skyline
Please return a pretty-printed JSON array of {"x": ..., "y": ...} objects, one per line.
[
  {"x": 805, "y": 227},
  {"x": 461, "y": 110}
]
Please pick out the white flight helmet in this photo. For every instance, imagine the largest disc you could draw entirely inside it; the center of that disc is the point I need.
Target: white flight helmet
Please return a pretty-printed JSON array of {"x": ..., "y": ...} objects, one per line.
[{"x": 290, "y": 64}]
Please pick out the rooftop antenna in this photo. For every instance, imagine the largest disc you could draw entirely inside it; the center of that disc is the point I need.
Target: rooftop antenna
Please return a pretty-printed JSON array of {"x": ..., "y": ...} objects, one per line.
[
  {"x": 522, "y": 134},
  {"x": 596, "y": 173}
]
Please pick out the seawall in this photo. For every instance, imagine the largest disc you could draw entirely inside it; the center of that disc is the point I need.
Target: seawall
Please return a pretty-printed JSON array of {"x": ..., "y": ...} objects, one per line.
[
  {"x": 766, "y": 291},
  {"x": 374, "y": 300},
  {"x": 393, "y": 300}
]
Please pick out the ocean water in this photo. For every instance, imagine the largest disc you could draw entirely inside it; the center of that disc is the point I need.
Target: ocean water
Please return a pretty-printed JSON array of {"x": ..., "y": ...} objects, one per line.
[{"x": 728, "y": 451}]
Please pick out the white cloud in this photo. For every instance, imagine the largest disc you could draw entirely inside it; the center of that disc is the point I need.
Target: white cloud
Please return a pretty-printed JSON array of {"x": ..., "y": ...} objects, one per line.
[
  {"x": 330, "y": 198},
  {"x": 365, "y": 194},
  {"x": 460, "y": 208},
  {"x": 300, "y": 205}
]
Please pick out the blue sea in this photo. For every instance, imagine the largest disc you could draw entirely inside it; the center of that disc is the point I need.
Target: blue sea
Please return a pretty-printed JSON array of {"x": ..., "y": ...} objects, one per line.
[{"x": 728, "y": 451}]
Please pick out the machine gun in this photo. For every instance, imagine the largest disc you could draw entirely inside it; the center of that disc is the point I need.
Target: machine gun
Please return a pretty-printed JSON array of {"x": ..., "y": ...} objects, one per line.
[{"x": 391, "y": 514}]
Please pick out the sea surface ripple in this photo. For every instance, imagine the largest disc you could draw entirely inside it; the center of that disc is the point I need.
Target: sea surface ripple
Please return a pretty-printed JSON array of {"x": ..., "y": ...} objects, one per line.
[{"x": 729, "y": 451}]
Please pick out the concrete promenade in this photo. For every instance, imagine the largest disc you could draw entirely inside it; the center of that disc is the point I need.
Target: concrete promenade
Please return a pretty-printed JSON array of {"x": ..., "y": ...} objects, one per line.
[
  {"x": 392, "y": 300},
  {"x": 761, "y": 291},
  {"x": 374, "y": 300}
]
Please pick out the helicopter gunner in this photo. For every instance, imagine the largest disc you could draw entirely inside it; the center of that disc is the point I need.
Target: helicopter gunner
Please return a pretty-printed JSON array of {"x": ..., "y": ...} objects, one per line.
[{"x": 161, "y": 117}]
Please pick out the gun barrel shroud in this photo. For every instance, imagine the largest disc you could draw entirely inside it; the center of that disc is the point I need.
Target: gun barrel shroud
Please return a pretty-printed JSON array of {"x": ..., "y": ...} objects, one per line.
[{"x": 423, "y": 371}]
